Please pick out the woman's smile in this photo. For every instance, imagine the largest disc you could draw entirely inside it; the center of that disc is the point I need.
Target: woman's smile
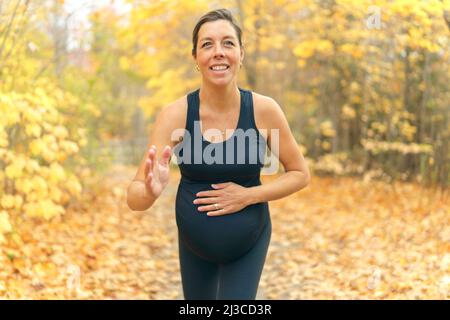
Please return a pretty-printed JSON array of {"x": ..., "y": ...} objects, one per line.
[{"x": 219, "y": 68}]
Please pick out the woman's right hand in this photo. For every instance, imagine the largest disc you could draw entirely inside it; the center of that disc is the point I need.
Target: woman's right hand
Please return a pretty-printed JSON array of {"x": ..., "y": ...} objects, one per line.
[{"x": 157, "y": 176}]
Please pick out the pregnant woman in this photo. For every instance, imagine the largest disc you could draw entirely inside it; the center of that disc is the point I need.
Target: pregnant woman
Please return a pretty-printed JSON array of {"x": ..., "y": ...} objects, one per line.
[{"x": 219, "y": 134}]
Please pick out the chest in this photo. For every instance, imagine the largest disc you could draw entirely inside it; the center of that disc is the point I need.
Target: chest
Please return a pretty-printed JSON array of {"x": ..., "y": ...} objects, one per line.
[{"x": 217, "y": 127}]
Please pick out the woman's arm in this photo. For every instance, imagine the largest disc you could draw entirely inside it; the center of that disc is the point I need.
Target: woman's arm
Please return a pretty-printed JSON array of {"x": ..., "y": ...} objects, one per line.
[
  {"x": 138, "y": 197},
  {"x": 233, "y": 197},
  {"x": 297, "y": 175},
  {"x": 288, "y": 183},
  {"x": 171, "y": 117}
]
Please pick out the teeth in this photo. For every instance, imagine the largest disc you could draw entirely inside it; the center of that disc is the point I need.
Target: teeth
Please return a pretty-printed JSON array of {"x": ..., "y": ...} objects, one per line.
[{"x": 219, "y": 68}]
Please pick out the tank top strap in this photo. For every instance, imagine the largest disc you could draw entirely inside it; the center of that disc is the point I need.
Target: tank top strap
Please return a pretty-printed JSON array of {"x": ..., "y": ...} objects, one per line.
[
  {"x": 248, "y": 119},
  {"x": 193, "y": 105}
]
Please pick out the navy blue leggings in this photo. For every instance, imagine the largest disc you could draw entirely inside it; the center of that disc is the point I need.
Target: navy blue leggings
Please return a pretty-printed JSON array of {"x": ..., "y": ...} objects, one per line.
[{"x": 234, "y": 280}]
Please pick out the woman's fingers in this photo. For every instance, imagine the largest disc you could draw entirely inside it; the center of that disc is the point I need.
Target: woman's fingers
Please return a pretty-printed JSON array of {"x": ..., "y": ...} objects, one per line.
[
  {"x": 164, "y": 169},
  {"x": 152, "y": 152},
  {"x": 150, "y": 160},
  {"x": 148, "y": 167},
  {"x": 156, "y": 171},
  {"x": 161, "y": 167},
  {"x": 165, "y": 157},
  {"x": 206, "y": 201},
  {"x": 148, "y": 179}
]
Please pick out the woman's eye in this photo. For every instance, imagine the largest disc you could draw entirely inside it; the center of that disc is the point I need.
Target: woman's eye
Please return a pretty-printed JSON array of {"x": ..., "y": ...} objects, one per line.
[{"x": 226, "y": 42}]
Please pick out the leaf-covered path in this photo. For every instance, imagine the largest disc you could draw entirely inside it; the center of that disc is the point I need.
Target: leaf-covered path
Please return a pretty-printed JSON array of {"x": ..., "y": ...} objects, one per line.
[{"x": 339, "y": 238}]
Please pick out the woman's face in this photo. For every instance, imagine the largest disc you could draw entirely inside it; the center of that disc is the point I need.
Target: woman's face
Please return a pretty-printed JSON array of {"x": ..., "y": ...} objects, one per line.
[{"x": 218, "y": 52}]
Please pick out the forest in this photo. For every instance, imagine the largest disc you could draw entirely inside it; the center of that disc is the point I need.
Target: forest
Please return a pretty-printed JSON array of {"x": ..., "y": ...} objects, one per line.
[{"x": 364, "y": 86}]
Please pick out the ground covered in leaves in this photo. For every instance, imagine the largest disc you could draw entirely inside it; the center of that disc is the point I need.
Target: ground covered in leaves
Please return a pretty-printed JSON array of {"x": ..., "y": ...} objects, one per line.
[{"x": 339, "y": 238}]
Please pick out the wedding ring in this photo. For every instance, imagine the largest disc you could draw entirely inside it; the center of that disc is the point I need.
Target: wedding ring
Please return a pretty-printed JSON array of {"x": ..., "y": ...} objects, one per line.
[{"x": 216, "y": 206}]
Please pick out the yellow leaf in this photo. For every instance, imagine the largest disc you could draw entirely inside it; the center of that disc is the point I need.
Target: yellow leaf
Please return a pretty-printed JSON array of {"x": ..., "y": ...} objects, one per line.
[
  {"x": 7, "y": 201},
  {"x": 38, "y": 183},
  {"x": 18, "y": 202},
  {"x": 5, "y": 225},
  {"x": 69, "y": 146},
  {"x": 46, "y": 209},
  {"x": 33, "y": 116},
  {"x": 15, "y": 169},
  {"x": 57, "y": 172},
  {"x": 73, "y": 186},
  {"x": 60, "y": 132},
  {"x": 348, "y": 112},
  {"x": 32, "y": 166},
  {"x": 24, "y": 185},
  {"x": 33, "y": 130},
  {"x": 37, "y": 147},
  {"x": 49, "y": 156},
  {"x": 327, "y": 129},
  {"x": 82, "y": 142}
]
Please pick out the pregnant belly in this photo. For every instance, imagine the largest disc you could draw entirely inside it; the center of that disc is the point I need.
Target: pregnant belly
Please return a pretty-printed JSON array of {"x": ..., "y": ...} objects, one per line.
[{"x": 217, "y": 239}]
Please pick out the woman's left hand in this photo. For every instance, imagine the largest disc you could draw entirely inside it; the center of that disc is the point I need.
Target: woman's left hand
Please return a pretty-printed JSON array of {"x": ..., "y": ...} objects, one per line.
[{"x": 229, "y": 196}]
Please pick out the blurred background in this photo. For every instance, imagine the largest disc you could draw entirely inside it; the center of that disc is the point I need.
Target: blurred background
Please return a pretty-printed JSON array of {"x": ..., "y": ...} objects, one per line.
[{"x": 364, "y": 85}]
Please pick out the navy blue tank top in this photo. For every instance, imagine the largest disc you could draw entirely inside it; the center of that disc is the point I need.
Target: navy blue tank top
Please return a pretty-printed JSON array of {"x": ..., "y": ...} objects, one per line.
[{"x": 238, "y": 159}]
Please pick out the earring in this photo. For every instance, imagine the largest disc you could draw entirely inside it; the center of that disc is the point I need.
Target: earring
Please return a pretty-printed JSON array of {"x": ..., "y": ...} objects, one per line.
[
  {"x": 240, "y": 66},
  {"x": 196, "y": 67}
]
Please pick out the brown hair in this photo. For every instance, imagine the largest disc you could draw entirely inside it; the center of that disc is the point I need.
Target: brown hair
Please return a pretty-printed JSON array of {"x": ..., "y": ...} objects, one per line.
[{"x": 219, "y": 14}]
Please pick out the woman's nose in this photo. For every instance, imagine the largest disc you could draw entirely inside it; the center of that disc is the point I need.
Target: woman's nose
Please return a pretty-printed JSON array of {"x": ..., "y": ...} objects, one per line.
[{"x": 218, "y": 51}]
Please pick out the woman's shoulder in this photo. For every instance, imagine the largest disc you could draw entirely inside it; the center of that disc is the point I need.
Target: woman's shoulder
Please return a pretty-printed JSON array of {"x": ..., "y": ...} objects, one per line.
[
  {"x": 175, "y": 111},
  {"x": 262, "y": 101},
  {"x": 265, "y": 109}
]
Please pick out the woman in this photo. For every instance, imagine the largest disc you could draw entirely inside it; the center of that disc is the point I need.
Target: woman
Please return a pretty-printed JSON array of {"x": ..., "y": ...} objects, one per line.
[{"x": 222, "y": 212}]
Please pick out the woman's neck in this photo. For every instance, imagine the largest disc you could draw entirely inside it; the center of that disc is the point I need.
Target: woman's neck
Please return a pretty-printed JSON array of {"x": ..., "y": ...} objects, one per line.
[{"x": 219, "y": 99}]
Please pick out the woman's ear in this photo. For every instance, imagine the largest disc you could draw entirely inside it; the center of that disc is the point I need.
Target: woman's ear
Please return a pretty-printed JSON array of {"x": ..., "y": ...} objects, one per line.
[{"x": 194, "y": 60}]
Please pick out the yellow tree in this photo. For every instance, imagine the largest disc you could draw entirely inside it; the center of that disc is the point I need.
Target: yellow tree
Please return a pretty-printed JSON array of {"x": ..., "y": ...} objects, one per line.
[
  {"x": 36, "y": 135},
  {"x": 350, "y": 51},
  {"x": 157, "y": 46}
]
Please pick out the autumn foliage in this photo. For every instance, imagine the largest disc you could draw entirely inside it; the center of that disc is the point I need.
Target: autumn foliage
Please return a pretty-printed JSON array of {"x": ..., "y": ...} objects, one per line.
[{"x": 364, "y": 87}]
